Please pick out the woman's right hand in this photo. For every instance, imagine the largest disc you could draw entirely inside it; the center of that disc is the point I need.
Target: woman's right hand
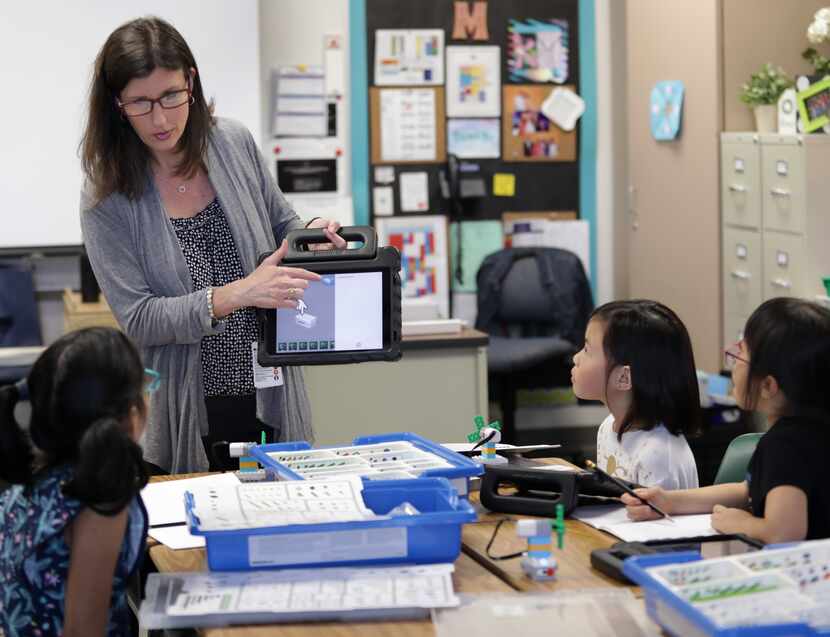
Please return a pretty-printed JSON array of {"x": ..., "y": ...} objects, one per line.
[
  {"x": 273, "y": 285},
  {"x": 638, "y": 511}
]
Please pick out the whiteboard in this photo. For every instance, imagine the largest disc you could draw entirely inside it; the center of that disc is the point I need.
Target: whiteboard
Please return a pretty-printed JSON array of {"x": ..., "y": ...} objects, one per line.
[{"x": 48, "y": 49}]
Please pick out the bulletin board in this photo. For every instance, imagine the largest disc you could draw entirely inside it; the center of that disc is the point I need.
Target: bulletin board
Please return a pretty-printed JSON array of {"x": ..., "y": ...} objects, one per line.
[{"x": 540, "y": 185}]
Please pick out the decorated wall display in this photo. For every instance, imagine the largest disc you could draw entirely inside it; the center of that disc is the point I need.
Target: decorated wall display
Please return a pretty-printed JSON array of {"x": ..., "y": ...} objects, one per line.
[
  {"x": 409, "y": 57},
  {"x": 473, "y": 81},
  {"x": 473, "y": 138},
  {"x": 527, "y": 134},
  {"x": 422, "y": 242},
  {"x": 666, "y": 106},
  {"x": 814, "y": 105},
  {"x": 486, "y": 47},
  {"x": 538, "y": 51}
]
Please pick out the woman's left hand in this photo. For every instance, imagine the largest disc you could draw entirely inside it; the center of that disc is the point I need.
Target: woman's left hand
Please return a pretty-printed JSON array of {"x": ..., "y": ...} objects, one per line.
[{"x": 330, "y": 229}]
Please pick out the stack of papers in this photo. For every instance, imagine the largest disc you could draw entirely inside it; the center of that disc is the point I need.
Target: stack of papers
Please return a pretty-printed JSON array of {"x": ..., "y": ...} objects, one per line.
[
  {"x": 176, "y": 600},
  {"x": 164, "y": 502},
  {"x": 614, "y": 520}
]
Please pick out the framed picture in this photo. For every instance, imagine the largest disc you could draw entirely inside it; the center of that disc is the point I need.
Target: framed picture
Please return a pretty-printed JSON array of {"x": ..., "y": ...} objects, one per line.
[
  {"x": 538, "y": 51},
  {"x": 422, "y": 242},
  {"x": 814, "y": 105},
  {"x": 473, "y": 81},
  {"x": 527, "y": 134}
]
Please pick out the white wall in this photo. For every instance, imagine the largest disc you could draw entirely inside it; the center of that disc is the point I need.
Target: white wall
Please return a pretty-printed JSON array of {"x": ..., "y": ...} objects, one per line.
[
  {"x": 291, "y": 33},
  {"x": 612, "y": 215},
  {"x": 47, "y": 51}
]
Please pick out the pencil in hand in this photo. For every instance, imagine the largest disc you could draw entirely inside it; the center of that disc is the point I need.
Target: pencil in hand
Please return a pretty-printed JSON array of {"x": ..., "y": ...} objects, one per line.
[{"x": 628, "y": 490}]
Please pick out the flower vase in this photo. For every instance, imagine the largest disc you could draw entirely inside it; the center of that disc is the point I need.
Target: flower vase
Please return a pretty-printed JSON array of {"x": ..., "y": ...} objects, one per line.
[{"x": 766, "y": 118}]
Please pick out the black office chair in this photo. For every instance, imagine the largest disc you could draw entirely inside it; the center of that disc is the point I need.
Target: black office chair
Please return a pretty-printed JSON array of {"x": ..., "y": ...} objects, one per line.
[
  {"x": 534, "y": 303},
  {"x": 19, "y": 324}
]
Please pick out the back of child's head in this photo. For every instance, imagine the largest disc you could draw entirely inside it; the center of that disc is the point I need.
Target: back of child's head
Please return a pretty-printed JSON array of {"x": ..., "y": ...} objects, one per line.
[
  {"x": 653, "y": 342},
  {"x": 83, "y": 390},
  {"x": 789, "y": 339}
]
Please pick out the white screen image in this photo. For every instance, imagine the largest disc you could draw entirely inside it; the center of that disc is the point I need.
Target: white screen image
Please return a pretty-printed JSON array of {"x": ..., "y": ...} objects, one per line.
[{"x": 340, "y": 312}]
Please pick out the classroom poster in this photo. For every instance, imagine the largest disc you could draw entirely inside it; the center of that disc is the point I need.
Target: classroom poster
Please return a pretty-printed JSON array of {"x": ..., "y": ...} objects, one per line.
[
  {"x": 407, "y": 125},
  {"x": 474, "y": 138},
  {"x": 473, "y": 81},
  {"x": 422, "y": 242},
  {"x": 538, "y": 51},
  {"x": 409, "y": 57},
  {"x": 527, "y": 134}
]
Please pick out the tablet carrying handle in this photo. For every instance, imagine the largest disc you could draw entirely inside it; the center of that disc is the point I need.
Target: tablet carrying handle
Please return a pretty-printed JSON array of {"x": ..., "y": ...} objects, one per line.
[{"x": 299, "y": 240}]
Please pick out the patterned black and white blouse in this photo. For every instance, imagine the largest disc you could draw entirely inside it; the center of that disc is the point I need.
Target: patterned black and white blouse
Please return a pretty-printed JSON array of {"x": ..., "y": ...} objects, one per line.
[{"x": 212, "y": 258}]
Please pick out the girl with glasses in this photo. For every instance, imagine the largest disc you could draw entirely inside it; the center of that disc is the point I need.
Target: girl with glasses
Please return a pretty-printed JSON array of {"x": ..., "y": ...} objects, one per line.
[
  {"x": 72, "y": 525},
  {"x": 780, "y": 369},
  {"x": 178, "y": 206},
  {"x": 637, "y": 359}
]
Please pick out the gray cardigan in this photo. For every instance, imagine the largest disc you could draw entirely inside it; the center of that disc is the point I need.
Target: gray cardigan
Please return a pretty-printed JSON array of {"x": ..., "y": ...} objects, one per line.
[{"x": 140, "y": 267}]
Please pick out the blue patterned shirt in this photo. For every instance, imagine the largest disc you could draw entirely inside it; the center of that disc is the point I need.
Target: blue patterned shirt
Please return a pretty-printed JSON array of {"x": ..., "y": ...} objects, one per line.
[{"x": 34, "y": 557}]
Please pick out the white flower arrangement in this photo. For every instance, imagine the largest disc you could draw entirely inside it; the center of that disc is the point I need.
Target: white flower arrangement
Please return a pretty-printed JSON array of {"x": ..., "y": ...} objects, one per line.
[{"x": 819, "y": 29}]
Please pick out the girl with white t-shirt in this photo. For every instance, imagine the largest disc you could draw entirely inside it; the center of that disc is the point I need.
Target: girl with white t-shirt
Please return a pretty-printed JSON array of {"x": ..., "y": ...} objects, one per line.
[{"x": 637, "y": 359}]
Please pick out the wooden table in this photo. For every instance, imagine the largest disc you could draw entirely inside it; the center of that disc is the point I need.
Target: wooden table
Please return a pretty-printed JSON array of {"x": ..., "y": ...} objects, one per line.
[
  {"x": 574, "y": 562},
  {"x": 474, "y": 573}
]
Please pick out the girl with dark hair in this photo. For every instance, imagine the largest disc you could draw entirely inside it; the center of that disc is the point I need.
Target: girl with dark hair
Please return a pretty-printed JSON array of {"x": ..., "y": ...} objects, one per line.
[
  {"x": 779, "y": 369},
  {"x": 72, "y": 526},
  {"x": 177, "y": 207},
  {"x": 638, "y": 360}
]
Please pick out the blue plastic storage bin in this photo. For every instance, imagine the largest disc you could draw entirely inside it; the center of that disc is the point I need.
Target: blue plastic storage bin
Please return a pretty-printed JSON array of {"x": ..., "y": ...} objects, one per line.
[
  {"x": 459, "y": 472},
  {"x": 682, "y": 619},
  {"x": 431, "y": 536}
]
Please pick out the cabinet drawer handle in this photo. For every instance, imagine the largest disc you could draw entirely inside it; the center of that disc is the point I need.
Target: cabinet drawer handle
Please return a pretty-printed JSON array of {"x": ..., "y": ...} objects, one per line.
[
  {"x": 737, "y": 188},
  {"x": 781, "y": 283},
  {"x": 779, "y": 192},
  {"x": 740, "y": 274}
]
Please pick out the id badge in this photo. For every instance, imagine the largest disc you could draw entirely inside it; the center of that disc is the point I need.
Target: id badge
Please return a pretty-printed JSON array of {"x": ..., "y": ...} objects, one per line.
[{"x": 265, "y": 377}]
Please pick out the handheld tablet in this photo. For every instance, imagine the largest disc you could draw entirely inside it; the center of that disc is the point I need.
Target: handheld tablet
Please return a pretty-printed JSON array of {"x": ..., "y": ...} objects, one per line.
[{"x": 352, "y": 315}]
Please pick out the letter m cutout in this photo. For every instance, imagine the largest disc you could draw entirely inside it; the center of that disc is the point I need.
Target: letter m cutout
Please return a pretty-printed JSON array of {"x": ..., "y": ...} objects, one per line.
[{"x": 470, "y": 24}]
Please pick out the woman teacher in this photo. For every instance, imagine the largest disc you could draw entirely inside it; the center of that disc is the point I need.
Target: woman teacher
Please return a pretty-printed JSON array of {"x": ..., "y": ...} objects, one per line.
[{"x": 176, "y": 208}]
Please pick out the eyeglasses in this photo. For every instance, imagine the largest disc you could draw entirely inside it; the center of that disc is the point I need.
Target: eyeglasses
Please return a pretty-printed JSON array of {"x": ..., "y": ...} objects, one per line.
[
  {"x": 144, "y": 106},
  {"x": 152, "y": 380},
  {"x": 731, "y": 355}
]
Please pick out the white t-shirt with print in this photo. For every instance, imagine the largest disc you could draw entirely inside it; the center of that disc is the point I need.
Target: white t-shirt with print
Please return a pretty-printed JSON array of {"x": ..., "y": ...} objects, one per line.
[{"x": 650, "y": 458}]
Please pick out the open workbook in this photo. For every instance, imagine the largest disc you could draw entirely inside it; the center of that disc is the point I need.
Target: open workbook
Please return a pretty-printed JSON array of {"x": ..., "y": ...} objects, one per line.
[{"x": 614, "y": 520}]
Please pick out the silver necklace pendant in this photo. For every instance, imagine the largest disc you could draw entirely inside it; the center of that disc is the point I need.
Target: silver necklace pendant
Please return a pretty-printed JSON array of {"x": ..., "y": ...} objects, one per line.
[{"x": 181, "y": 188}]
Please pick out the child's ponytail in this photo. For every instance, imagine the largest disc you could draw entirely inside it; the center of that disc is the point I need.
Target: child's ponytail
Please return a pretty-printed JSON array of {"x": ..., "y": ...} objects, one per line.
[
  {"x": 108, "y": 470},
  {"x": 15, "y": 449}
]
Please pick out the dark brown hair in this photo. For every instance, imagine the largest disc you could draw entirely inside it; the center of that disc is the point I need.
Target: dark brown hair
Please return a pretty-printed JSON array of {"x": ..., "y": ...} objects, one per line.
[
  {"x": 789, "y": 339},
  {"x": 82, "y": 390},
  {"x": 652, "y": 340},
  {"x": 113, "y": 157}
]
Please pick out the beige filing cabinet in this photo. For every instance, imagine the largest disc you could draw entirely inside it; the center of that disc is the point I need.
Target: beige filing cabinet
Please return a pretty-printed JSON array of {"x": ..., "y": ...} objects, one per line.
[
  {"x": 435, "y": 390},
  {"x": 775, "y": 199}
]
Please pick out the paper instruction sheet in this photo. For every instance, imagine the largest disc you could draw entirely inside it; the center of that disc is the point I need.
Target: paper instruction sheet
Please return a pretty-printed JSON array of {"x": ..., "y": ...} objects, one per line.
[
  {"x": 293, "y": 594},
  {"x": 165, "y": 500},
  {"x": 256, "y": 505},
  {"x": 614, "y": 520}
]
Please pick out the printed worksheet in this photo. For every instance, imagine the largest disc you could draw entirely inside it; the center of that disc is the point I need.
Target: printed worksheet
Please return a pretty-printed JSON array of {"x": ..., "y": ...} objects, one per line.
[
  {"x": 193, "y": 598},
  {"x": 255, "y": 505}
]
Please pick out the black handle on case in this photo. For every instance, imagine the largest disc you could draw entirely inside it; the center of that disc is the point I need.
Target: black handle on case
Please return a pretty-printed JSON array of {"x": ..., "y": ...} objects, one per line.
[
  {"x": 298, "y": 239},
  {"x": 527, "y": 480}
]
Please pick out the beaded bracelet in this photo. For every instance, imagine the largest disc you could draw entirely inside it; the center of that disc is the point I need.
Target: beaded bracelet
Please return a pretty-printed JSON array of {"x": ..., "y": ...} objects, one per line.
[{"x": 210, "y": 304}]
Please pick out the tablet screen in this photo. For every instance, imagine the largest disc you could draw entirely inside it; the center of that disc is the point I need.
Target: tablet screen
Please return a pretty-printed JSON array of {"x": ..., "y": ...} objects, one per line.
[{"x": 340, "y": 312}]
